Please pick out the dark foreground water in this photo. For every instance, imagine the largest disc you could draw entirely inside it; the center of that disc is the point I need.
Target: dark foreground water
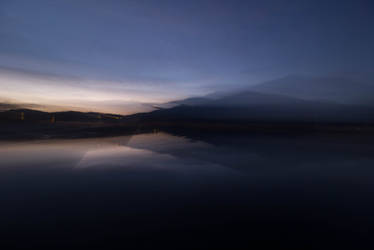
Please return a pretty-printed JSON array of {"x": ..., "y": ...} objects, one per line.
[{"x": 154, "y": 189}]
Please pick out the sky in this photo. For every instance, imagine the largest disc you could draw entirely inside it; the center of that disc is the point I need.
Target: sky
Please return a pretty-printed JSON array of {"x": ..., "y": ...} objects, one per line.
[{"x": 124, "y": 56}]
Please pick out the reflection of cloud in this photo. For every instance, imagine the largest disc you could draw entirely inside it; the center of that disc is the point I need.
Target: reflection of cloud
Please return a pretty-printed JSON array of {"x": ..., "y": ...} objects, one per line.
[
  {"x": 116, "y": 153},
  {"x": 120, "y": 156},
  {"x": 51, "y": 153},
  {"x": 143, "y": 160}
]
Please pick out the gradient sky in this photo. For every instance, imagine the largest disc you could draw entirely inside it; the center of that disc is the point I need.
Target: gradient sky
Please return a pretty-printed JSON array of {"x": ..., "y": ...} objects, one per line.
[{"x": 119, "y": 55}]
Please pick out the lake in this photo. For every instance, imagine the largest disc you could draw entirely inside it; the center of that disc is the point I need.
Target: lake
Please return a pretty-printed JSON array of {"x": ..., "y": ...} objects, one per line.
[{"x": 186, "y": 190}]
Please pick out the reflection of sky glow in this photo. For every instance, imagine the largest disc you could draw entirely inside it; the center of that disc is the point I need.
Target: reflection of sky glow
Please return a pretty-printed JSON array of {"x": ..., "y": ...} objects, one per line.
[
  {"x": 106, "y": 153},
  {"x": 119, "y": 156}
]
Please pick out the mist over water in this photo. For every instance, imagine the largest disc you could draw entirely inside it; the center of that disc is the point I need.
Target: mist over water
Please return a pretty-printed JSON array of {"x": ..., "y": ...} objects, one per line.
[{"x": 167, "y": 188}]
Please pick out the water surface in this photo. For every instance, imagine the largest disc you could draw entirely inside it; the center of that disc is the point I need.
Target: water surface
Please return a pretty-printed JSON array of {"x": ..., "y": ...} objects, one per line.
[{"x": 166, "y": 188}]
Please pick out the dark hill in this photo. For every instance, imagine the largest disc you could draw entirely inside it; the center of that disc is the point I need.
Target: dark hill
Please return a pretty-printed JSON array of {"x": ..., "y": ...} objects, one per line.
[
  {"x": 28, "y": 115},
  {"x": 332, "y": 89},
  {"x": 259, "y": 107}
]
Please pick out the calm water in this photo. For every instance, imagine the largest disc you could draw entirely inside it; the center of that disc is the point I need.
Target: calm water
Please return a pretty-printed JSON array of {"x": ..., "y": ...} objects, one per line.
[{"x": 215, "y": 189}]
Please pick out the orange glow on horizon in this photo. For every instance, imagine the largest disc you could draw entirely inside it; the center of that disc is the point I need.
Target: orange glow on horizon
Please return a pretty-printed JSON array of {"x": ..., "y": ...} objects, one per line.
[{"x": 57, "y": 94}]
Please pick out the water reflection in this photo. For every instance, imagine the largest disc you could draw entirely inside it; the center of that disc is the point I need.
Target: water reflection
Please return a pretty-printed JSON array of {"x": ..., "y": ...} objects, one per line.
[
  {"x": 135, "y": 153},
  {"x": 248, "y": 155},
  {"x": 254, "y": 186}
]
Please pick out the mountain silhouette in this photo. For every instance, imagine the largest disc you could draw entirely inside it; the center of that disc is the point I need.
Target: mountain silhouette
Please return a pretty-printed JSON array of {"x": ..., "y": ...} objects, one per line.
[
  {"x": 252, "y": 106},
  {"x": 331, "y": 89},
  {"x": 29, "y": 115}
]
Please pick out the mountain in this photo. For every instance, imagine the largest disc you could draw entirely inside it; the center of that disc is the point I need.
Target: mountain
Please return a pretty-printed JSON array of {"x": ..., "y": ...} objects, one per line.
[
  {"x": 248, "y": 106},
  {"x": 189, "y": 101},
  {"x": 235, "y": 99},
  {"x": 21, "y": 114},
  {"x": 29, "y": 115},
  {"x": 330, "y": 89},
  {"x": 364, "y": 77},
  {"x": 4, "y": 106},
  {"x": 250, "y": 99},
  {"x": 32, "y": 124}
]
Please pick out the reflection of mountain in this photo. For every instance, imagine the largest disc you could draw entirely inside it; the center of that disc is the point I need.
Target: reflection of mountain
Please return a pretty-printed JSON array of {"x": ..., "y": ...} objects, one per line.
[
  {"x": 62, "y": 153},
  {"x": 259, "y": 153}
]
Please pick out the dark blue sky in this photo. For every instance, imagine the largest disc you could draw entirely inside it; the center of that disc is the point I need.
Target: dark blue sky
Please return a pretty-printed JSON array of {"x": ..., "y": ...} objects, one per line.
[{"x": 170, "y": 49}]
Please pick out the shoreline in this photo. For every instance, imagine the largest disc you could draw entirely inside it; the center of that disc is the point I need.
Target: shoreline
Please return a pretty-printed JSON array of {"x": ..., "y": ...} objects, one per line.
[{"x": 71, "y": 130}]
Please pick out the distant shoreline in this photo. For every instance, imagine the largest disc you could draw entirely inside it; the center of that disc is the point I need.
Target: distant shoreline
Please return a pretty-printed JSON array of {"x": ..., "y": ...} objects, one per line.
[{"x": 70, "y": 130}]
